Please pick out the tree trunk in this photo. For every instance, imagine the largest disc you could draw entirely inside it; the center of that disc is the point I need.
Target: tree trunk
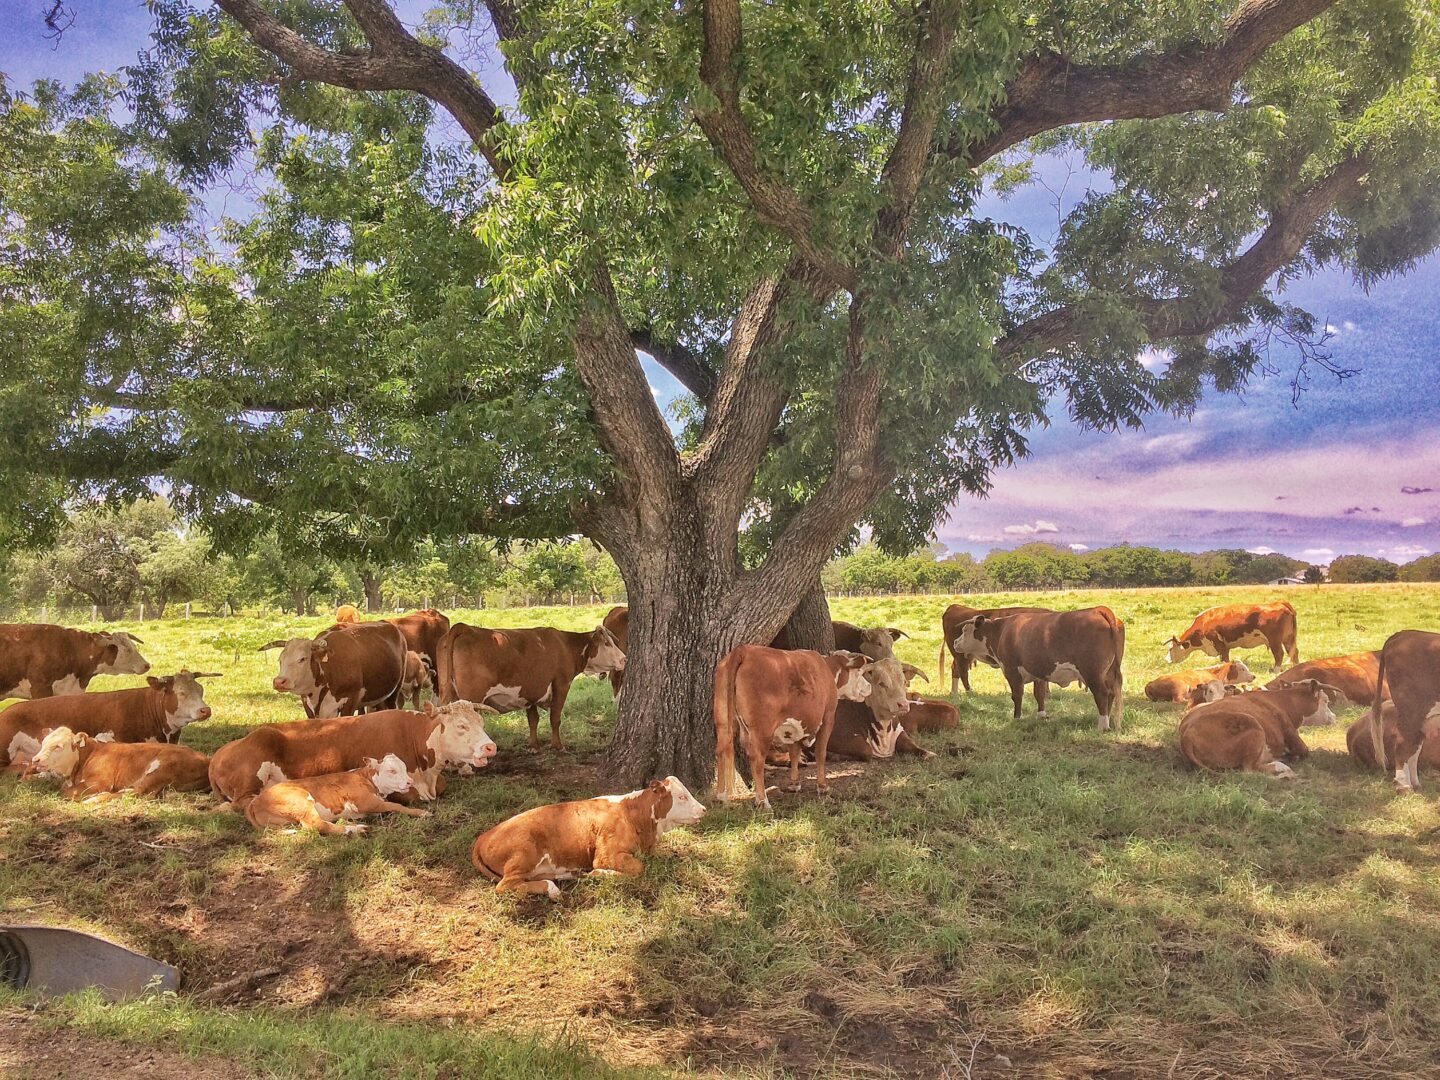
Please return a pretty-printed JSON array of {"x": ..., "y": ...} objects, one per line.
[
  {"x": 809, "y": 626},
  {"x": 300, "y": 599},
  {"x": 374, "y": 601}
]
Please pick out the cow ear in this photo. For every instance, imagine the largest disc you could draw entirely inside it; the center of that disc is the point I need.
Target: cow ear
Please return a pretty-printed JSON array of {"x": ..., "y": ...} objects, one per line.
[
  {"x": 370, "y": 761},
  {"x": 429, "y": 708},
  {"x": 657, "y": 786}
]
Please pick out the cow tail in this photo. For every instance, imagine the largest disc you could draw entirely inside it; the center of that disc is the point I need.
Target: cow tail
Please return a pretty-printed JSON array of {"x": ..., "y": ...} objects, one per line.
[
  {"x": 940, "y": 671},
  {"x": 1377, "y": 727},
  {"x": 1117, "y": 674}
]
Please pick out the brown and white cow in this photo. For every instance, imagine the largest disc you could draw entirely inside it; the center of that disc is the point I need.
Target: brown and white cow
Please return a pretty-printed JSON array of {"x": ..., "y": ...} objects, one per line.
[
  {"x": 344, "y": 669},
  {"x": 617, "y": 621},
  {"x": 1410, "y": 671},
  {"x": 869, "y": 730},
  {"x": 95, "y": 769},
  {"x": 1253, "y": 732},
  {"x": 530, "y": 852},
  {"x": 1177, "y": 686},
  {"x": 1362, "y": 746},
  {"x": 346, "y": 613},
  {"x": 956, "y": 615},
  {"x": 155, "y": 712},
  {"x": 778, "y": 698},
  {"x": 876, "y": 642},
  {"x": 524, "y": 669},
  {"x": 423, "y": 630},
  {"x": 328, "y": 804},
  {"x": 1217, "y": 630},
  {"x": 930, "y": 714},
  {"x": 417, "y": 679},
  {"x": 1355, "y": 675},
  {"x": 453, "y": 734},
  {"x": 1062, "y": 647},
  {"x": 38, "y": 660}
]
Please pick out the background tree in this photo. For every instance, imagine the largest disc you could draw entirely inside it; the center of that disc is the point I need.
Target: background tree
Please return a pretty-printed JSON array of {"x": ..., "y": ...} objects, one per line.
[
  {"x": 417, "y": 339},
  {"x": 1425, "y": 568},
  {"x": 1350, "y": 569}
]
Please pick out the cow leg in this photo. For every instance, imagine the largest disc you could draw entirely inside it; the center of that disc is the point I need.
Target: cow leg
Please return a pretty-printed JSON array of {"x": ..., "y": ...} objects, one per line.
[
  {"x": 1041, "y": 689},
  {"x": 757, "y": 774},
  {"x": 795, "y": 755},
  {"x": 374, "y": 804},
  {"x": 1277, "y": 653},
  {"x": 1017, "y": 689},
  {"x": 822, "y": 745},
  {"x": 724, "y": 768},
  {"x": 1104, "y": 698},
  {"x": 558, "y": 693},
  {"x": 617, "y": 862},
  {"x": 523, "y": 884},
  {"x": 151, "y": 784},
  {"x": 905, "y": 744},
  {"x": 532, "y": 713}
]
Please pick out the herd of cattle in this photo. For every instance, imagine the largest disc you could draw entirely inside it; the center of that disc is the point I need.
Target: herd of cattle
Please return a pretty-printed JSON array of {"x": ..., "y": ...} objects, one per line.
[{"x": 359, "y": 753}]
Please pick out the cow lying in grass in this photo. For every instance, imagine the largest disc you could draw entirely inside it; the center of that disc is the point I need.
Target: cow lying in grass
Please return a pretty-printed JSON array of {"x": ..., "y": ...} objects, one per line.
[
  {"x": 1253, "y": 732},
  {"x": 1362, "y": 747},
  {"x": 530, "y": 852},
  {"x": 1177, "y": 686},
  {"x": 327, "y": 803},
  {"x": 94, "y": 768}
]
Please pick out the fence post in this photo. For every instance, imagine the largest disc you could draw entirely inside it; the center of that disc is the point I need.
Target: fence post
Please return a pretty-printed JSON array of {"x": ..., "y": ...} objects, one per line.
[
  {"x": 94, "y": 612},
  {"x": 142, "y": 610},
  {"x": 44, "y": 612},
  {"x": 187, "y": 609}
]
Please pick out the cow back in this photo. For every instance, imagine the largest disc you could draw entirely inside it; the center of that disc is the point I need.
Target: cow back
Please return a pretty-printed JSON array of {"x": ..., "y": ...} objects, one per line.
[
  {"x": 362, "y": 657},
  {"x": 134, "y": 715},
  {"x": 35, "y": 656},
  {"x": 1355, "y": 675}
]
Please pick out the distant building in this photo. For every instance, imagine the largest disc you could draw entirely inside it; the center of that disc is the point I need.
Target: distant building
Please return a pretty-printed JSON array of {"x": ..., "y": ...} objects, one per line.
[{"x": 1286, "y": 581}]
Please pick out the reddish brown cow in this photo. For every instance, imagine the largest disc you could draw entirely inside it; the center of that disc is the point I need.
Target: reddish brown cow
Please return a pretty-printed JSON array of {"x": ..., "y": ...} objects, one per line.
[
  {"x": 1410, "y": 669},
  {"x": 869, "y": 730},
  {"x": 95, "y": 769},
  {"x": 1177, "y": 687},
  {"x": 346, "y": 613},
  {"x": 453, "y": 734},
  {"x": 158, "y": 711},
  {"x": 1254, "y": 731},
  {"x": 617, "y": 621},
  {"x": 344, "y": 669},
  {"x": 325, "y": 803},
  {"x": 523, "y": 669},
  {"x": 423, "y": 632},
  {"x": 1239, "y": 626},
  {"x": 38, "y": 660},
  {"x": 416, "y": 681},
  {"x": 777, "y": 698},
  {"x": 876, "y": 642},
  {"x": 1362, "y": 747},
  {"x": 930, "y": 714},
  {"x": 956, "y": 615},
  {"x": 529, "y": 852},
  {"x": 1042, "y": 647},
  {"x": 1355, "y": 675}
]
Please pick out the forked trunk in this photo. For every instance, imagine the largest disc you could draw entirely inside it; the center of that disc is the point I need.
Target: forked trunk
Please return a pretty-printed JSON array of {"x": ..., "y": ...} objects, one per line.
[{"x": 809, "y": 626}]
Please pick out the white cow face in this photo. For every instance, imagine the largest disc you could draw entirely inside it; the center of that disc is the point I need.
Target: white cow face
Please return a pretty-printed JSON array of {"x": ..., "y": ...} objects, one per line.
[
  {"x": 390, "y": 775},
  {"x": 887, "y": 698},
  {"x": 189, "y": 698},
  {"x": 1176, "y": 650},
  {"x": 605, "y": 654},
  {"x": 1207, "y": 692},
  {"x": 851, "y": 683},
  {"x": 685, "y": 809},
  {"x": 459, "y": 738},
  {"x": 59, "y": 754},
  {"x": 1239, "y": 673},
  {"x": 295, "y": 676},
  {"x": 969, "y": 642},
  {"x": 1321, "y": 716},
  {"x": 127, "y": 660}
]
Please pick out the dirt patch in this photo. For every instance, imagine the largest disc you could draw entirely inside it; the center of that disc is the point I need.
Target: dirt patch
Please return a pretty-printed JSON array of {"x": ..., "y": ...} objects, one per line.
[{"x": 32, "y": 1051}]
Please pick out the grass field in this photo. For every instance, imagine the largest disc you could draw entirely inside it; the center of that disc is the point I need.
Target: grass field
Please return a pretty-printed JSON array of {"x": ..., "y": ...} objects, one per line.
[{"x": 1039, "y": 894}]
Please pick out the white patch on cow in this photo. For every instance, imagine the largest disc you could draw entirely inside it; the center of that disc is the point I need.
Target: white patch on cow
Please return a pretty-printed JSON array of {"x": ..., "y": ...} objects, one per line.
[
  {"x": 608, "y": 656},
  {"x": 356, "y": 830},
  {"x": 969, "y": 643},
  {"x": 1104, "y": 722},
  {"x": 459, "y": 738},
  {"x": 548, "y": 870},
  {"x": 22, "y": 748},
  {"x": 22, "y": 689},
  {"x": 327, "y": 707},
  {"x": 856, "y": 686},
  {"x": 789, "y": 731},
  {"x": 1431, "y": 724},
  {"x": 621, "y": 798},
  {"x": 1064, "y": 675},
  {"x": 1322, "y": 714},
  {"x": 323, "y": 811},
  {"x": 882, "y": 742},
  {"x": 1252, "y": 640},
  {"x": 552, "y": 890},
  {"x": 154, "y": 766},
  {"x": 68, "y": 685},
  {"x": 685, "y": 809},
  {"x": 349, "y": 810},
  {"x": 109, "y": 736},
  {"x": 1280, "y": 771},
  {"x": 269, "y": 773},
  {"x": 1043, "y": 715},
  {"x": 57, "y": 754},
  {"x": 295, "y": 676},
  {"x": 390, "y": 775},
  {"x": 1176, "y": 651},
  {"x": 1239, "y": 673},
  {"x": 506, "y": 698}
]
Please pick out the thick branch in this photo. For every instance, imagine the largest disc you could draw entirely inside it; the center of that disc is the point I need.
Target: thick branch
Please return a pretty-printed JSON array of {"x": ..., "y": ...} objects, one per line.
[
  {"x": 1049, "y": 92},
  {"x": 691, "y": 371}
]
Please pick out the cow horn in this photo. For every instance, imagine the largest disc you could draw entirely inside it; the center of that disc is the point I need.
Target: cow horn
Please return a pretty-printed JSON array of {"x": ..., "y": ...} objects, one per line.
[
  {"x": 132, "y": 637},
  {"x": 911, "y": 671},
  {"x": 279, "y": 643},
  {"x": 207, "y": 674},
  {"x": 896, "y": 632}
]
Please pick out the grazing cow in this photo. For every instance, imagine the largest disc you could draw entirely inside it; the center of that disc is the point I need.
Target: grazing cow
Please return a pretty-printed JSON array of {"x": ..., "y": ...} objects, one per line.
[
  {"x": 1062, "y": 647},
  {"x": 346, "y": 614},
  {"x": 1254, "y": 731},
  {"x": 38, "y": 660},
  {"x": 423, "y": 632},
  {"x": 343, "y": 669},
  {"x": 876, "y": 642},
  {"x": 778, "y": 698},
  {"x": 1410, "y": 668},
  {"x": 1355, "y": 675},
  {"x": 530, "y": 852},
  {"x": 453, "y": 734},
  {"x": 524, "y": 669},
  {"x": 1177, "y": 687},
  {"x": 956, "y": 615},
  {"x": 321, "y": 802},
  {"x": 1239, "y": 626},
  {"x": 1362, "y": 747},
  {"x": 156, "y": 712},
  {"x": 930, "y": 714},
  {"x": 95, "y": 769},
  {"x": 416, "y": 681},
  {"x": 617, "y": 621}
]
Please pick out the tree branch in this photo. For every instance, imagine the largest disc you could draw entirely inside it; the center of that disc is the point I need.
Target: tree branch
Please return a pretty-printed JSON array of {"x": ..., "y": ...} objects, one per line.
[
  {"x": 690, "y": 370},
  {"x": 1049, "y": 92}
]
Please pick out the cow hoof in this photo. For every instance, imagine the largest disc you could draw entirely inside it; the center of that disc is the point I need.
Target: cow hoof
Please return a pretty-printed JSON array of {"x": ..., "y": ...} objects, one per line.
[
  {"x": 533, "y": 749},
  {"x": 823, "y": 789},
  {"x": 764, "y": 807},
  {"x": 552, "y": 890},
  {"x": 1042, "y": 715},
  {"x": 356, "y": 830}
]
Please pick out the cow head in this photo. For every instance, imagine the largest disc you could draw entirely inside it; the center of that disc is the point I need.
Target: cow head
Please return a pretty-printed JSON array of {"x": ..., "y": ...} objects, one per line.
[
  {"x": 1206, "y": 692},
  {"x": 58, "y": 754},
  {"x": 1236, "y": 672},
  {"x": 1176, "y": 650},
  {"x": 849, "y": 669},
  {"x": 458, "y": 737},
  {"x": 389, "y": 774},
  {"x": 971, "y": 639},
  {"x": 1315, "y": 707},
  {"x": 603, "y": 653},
  {"x": 296, "y": 675},
  {"x": 119, "y": 655},
  {"x": 877, "y": 643},
  {"x": 184, "y": 697},
  {"x": 887, "y": 698},
  {"x": 683, "y": 809}
]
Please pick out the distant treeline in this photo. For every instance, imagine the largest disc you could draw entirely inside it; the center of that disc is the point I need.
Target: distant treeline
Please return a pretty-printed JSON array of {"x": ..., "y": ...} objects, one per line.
[{"x": 115, "y": 560}]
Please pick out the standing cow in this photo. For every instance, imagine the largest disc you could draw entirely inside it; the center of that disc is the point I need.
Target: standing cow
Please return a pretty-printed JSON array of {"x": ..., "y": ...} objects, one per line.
[
  {"x": 1042, "y": 647},
  {"x": 423, "y": 630},
  {"x": 38, "y": 660},
  {"x": 344, "y": 669},
  {"x": 956, "y": 615},
  {"x": 1410, "y": 669},
  {"x": 1239, "y": 626}
]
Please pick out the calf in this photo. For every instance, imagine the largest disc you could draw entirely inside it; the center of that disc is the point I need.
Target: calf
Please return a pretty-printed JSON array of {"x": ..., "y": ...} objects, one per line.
[
  {"x": 416, "y": 681},
  {"x": 38, "y": 660},
  {"x": 1177, "y": 687},
  {"x": 453, "y": 734},
  {"x": 530, "y": 852},
  {"x": 956, "y": 615},
  {"x": 1410, "y": 669},
  {"x": 1239, "y": 626},
  {"x": 1355, "y": 675},
  {"x": 321, "y": 802},
  {"x": 1062, "y": 647},
  {"x": 1254, "y": 731},
  {"x": 95, "y": 769},
  {"x": 1206, "y": 692},
  {"x": 774, "y": 697},
  {"x": 930, "y": 714},
  {"x": 156, "y": 712},
  {"x": 523, "y": 669},
  {"x": 344, "y": 669}
]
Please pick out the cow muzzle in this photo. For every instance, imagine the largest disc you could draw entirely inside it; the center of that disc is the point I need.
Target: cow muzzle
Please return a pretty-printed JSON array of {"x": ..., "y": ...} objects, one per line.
[
  {"x": 484, "y": 754},
  {"x": 203, "y": 713},
  {"x": 281, "y": 684}
]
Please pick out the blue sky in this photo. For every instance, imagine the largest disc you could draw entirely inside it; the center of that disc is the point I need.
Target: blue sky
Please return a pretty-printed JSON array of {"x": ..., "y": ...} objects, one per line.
[{"x": 1353, "y": 467}]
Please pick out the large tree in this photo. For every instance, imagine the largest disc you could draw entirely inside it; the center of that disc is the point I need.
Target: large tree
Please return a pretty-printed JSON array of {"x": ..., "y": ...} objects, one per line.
[{"x": 777, "y": 202}]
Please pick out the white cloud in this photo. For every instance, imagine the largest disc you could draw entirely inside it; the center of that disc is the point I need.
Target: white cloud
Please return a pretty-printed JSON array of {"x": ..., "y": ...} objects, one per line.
[
  {"x": 656, "y": 391},
  {"x": 1349, "y": 326},
  {"x": 1079, "y": 547},
  {"x": 1261, "y": 550},
  {"x": 1318, "y": 553},
  {"x": 1403, "y": 553},
  {"x": 1031, "y": 530},
  {"x": 1153, "y": 359},
  {"x": 1177, "y": 442},
  {"x": 1411, "y": 522}
]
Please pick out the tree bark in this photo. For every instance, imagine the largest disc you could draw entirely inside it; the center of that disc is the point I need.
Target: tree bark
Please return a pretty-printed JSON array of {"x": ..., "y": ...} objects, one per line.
[
  {"x": 300, "y": 598},
  {"x": 370, "y": 582},
  {"x": 809, "y": 626}
]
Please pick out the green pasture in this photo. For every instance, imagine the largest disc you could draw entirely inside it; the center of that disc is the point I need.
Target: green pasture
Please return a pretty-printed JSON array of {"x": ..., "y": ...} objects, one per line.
[{"x": 1038, "y": 893}]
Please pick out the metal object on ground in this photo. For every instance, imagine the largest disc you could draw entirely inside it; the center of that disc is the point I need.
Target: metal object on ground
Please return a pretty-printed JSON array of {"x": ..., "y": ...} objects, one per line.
[{"x": 54, "y": 960}]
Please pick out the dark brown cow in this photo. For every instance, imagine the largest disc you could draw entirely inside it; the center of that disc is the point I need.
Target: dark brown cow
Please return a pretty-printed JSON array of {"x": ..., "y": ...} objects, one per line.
[
  {"x": 876, "y": 642},
  {"x": 453, "y": 734},
  {"x": 94, "y": 770},
  {"x": 956, "y": 615},
  {"x": 343, "y": 669},
  {"x": 1254, "y": 731},
  {"x": 1410, "y": 671},
  {"x": 156, "y": 712},
  {"x": 1177, "y": 686},
  {"x": 1355, "y": 675},
  {"x": 617, "y": 621},
  {"x": 778, "y": 698},
  {"x": 38, "y": 660},
  {"x": 1239, "y": 626},
  {"x": 1042, "y": 647},
  {"x": 423, "y": 632},
  {"x": 523, "y": 669}
]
